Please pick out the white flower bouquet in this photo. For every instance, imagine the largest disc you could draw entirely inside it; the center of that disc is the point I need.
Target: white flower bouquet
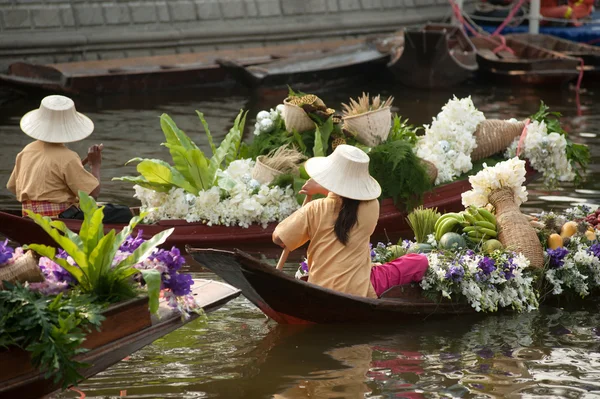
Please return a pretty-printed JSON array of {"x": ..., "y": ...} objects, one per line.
[
  {"x": 449, "y": 140},
  {"x": 268, "y": 121},
  {"x": 510, "y": 173}
]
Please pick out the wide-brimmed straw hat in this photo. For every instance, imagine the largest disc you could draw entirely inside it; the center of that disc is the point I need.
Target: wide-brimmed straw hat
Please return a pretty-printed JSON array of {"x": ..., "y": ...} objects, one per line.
[
  {"x": 345, "y": 172},
  {"x": 56, "y": 121}
]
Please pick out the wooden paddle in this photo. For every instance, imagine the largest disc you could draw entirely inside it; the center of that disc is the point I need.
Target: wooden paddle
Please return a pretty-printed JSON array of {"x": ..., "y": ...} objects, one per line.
[
  {"x": 286, "y": 252},
  {"x": 84, "y": 161}
]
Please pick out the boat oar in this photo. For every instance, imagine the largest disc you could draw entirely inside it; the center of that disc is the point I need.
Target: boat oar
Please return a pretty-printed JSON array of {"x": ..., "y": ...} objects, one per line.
[{"x": 286, "y": 252}]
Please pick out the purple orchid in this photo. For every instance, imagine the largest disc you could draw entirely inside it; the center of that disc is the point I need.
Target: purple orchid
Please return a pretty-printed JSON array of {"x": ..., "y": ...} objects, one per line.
[
  {"x": 179, "y": 284},
  {"x": 557, "y": 257},
  {"x": 132, "y": 243},
  {"x": 304, "y": 266},
  {"x": 6, "y": 252},
  {"x": 595, "y": 250},
  {"x": 455, "y": 273},
  {"x": 172, "y": 258},
  {"x": 487, "y": 265}
]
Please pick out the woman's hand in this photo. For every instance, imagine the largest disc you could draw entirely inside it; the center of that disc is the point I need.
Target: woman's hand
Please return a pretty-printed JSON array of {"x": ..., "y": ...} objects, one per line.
[
  {"x": 313, "y": 188},
  {"x": 95, "y": 155}
]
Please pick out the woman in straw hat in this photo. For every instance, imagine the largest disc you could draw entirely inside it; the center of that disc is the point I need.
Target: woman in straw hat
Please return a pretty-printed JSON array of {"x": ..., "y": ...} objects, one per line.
[
  {"x": 47, "y": 175},
  {"x": 339, "y": 228}
]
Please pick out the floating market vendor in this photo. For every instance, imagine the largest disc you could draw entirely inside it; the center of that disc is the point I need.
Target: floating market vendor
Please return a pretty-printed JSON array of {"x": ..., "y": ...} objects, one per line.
[
  {"x": 47, "y": 175},
  {"x": 339, "y": 228}
]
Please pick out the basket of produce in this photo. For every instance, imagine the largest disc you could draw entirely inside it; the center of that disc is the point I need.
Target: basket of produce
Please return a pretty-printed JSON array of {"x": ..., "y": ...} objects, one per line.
[
  {"x": 369, "y": 121},
  {"x": 21, "y": 269},
  {"x": 431, "y": 169},
  {"x": 514, "y": 230},
  {"x": 296, "y": 109},
  {"x": 278, "y": 162},
  {"x": 493, "y": 136}
]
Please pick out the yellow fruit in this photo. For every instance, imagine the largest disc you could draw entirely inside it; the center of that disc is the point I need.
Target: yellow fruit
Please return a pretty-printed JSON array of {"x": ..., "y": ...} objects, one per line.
[
  {"x": 590, "y": 235},
  {"x": 568, "y": 229},
  {"x": 555, "y": 241}
]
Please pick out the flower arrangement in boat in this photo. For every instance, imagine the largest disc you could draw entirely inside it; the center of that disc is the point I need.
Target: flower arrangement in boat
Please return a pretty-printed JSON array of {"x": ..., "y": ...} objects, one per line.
[
  {"x": 215, "y": 191},
  {"x": 508, "y": 174},
  {"x": 550, "y": 151},
  {"x": 269, "y": 121},
  {"x": 91, "y": 270},
  {"x": 449, "y": 140}
]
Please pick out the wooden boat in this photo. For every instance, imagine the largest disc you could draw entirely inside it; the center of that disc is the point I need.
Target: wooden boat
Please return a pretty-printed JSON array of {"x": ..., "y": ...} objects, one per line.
[
  {"x": 391, "y": 220},
  {"x": 152, "y": 73},
  {"x": 589, "y": 54},
  {"x": 255, "y": 239},
  {"x": 288, "y": 300},
  {"x": 356, "y": 60},
  {"x": 434, "y": 56},
  {"x": 529, "y": 64},
  {"x": 128, "y": 327}
]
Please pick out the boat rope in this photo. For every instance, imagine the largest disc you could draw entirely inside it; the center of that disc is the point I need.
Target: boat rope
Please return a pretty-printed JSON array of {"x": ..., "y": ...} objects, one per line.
[{"x": 479, "y": 32}]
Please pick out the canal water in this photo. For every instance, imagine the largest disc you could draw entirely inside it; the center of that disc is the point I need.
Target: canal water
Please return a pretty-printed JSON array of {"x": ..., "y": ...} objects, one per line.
[{"x": 237, "y": 353}]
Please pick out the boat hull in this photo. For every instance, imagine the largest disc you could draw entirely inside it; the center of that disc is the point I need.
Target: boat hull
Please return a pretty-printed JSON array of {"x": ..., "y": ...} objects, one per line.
[
  {"x": 435, "y": 56},
  {"x": 128, "y": 327},
  {"x": 291, "y": 301}
]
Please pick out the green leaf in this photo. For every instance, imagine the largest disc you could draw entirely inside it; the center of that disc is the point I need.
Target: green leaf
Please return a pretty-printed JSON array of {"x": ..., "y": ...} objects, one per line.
[
  {"x": 60, "y": 226},
  {"x": 152, "y": 277},
  {"x": 92, "y": 229},
  {"x": 50, "y": 253},
  {"x": 236, "y": 131},
  {"x": 142, "y": 182},
  {"x": 228, "y": 147},
  {"x": 292, "y": 93},
  {"x": 100, "y": 259},
  {"x": 213, "y": 148},
  {"x": 157, "y": 171},
  {"x": 322, "y": 134},
  {"x": 174, "y": 135},
  {"x": 298, "y": 140}
]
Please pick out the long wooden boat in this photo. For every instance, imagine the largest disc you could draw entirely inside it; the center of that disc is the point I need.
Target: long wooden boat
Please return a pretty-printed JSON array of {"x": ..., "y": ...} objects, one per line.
[
  {"x": 434, "y": 56},
  {"x": 529, "y": 64},
  {"x": 589, "y": 54},
  {"x": 155, "y": 72},
  {"x": 355, "y": 60},
  {"x": 255, "y": 239},
  {"x": 128, "y": 327},
  {"x": 288, "y": 300},
  {"x": 391, "y": 220}
]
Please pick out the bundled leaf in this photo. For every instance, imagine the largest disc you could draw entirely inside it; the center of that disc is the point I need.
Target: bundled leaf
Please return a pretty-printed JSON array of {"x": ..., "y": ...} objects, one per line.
[
  {"x": 364, "y": 105},
  {"x": 51, "y": 329},
  {"x": 577, "y": 154},
  {"x": 192, "y": 170},
  {"x": 400, "y": 173},
  {"x": 94, "y": 254},
  {"x": 422, "y": 222},
  {"x": 284, "y": 160}
]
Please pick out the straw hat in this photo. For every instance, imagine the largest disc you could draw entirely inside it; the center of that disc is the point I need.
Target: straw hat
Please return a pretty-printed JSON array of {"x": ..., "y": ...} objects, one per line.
[
  {"x": 345, "y": 172},
  {"x": 56, "y": 121}
]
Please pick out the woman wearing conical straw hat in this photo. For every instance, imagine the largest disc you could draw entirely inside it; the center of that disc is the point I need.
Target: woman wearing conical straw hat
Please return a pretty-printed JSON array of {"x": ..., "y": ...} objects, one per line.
[
  {"x": 339, "y": 228},
  {"x": 47, "y": 175}
]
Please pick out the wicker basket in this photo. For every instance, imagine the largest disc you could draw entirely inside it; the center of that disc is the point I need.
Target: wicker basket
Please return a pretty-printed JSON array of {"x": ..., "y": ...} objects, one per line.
[
  {"x": 431, "y": 169},
  {"x": 514, "y": 230},
  {"x": 371, "y": 128},
  {"x": 295, "y": 118},
  {"x": 493, "y": 136},
  {"x": 262, "y": 173},
  {"x": 25, "y": 268}
]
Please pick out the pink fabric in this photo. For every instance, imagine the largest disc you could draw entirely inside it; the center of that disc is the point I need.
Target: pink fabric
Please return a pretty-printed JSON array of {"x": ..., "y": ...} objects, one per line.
[{"x": 406, "y": 269}]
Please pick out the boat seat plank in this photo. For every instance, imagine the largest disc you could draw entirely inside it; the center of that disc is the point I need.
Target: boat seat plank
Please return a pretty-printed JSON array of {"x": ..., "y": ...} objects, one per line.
[{"x": 489, "y": 54}]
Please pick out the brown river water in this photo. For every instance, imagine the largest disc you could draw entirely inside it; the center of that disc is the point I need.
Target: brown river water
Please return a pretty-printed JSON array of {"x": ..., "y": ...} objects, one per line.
[{"x": 236, "y": 353}]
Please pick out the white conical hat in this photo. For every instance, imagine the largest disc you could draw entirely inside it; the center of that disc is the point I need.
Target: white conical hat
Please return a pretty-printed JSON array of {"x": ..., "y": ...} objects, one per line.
[
  {"x": 56, "y": 121},
  {"x": 345, "y": 172}
]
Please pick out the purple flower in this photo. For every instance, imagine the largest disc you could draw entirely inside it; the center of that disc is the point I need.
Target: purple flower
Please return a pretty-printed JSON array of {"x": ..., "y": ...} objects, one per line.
[
  {"x": 304, "y": 266},
  {"x": 595, "y": 250},
  {"x": 54, "y": 273},
  {"x": 509, "y": 268},
  {"x": 6, "y": 252},
  {"x": 455, "y": 273},
  {"x": 179, "y": 284},
  {"x": 557, "y": 257},
  {"x": 172, "y": 258},
  {"x": 132, "y": 243},
  {"x": 487, "y": 265}
]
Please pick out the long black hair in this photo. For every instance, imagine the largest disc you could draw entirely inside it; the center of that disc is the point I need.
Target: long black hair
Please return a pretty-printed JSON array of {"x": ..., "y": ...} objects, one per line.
[{"x": 346, "y": 220}]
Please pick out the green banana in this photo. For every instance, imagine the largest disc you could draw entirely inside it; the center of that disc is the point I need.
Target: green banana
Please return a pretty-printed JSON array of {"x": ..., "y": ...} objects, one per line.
[
  {"x": 485, "y": 224},
  {"x": 444, "y": 217},
  {"x": 491, "y": 233},
  {"x": 445, "y": 227},
  {"x": 470, "y": 228},
  {"x": 470, "y": 218},
  {"x": 489, "y": 216},
  {"x": 475, "y": 234},
  {"x": 475, "y": 213},
  {"x": 475, "y": 240}
]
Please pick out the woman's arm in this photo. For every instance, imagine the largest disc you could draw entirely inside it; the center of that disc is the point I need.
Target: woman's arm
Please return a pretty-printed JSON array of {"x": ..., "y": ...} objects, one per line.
[{"x": 277, "y": 240}]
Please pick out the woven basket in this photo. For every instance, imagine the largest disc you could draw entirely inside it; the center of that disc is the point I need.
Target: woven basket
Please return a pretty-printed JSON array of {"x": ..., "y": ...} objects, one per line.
[
  {"x": 493, "y": 136},
  {"x": 25, "y": 268},
  {"x": 371, "y": 128},
  {"x": 295, "y": 118},
  {"x": 431, "y": 169},
  {"x": 514, "y": 230},
  {"x": 262, "y": 173}
]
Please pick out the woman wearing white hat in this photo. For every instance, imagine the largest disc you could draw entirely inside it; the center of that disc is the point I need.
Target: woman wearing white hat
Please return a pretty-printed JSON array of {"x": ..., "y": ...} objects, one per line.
[
  {"x": 339, "y": 228},
  {"x": 47, "y": 175}
]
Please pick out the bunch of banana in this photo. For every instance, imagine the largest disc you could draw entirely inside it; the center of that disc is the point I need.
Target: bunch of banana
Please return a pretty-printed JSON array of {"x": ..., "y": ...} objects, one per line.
[
  {"x": 482, "y": 224},
  {"x": 447, "y": 222}
]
